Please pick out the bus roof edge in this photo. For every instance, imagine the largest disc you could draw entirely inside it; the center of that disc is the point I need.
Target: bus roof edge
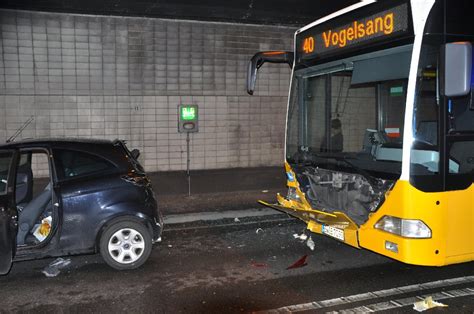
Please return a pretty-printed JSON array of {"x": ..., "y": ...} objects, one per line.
[{"x": 337, "y": 13}]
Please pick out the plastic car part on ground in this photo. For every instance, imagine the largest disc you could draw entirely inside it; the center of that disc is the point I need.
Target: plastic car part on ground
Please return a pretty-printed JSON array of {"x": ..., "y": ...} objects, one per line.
[
  {"x": 299, "y": 263},
  {"x": 54, "y": 268},
  {"x": 310, "y": 244},
  {"x": 426, "y": 304},
  {"x": 302, "y": 236}
]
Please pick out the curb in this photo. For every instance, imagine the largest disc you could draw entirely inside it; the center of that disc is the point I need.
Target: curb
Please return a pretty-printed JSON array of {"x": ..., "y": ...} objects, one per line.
[{"x": 210, "y": 216}]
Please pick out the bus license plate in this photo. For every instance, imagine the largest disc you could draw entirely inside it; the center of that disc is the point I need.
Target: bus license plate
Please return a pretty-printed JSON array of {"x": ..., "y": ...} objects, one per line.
[{"x": 333, "y": 232}]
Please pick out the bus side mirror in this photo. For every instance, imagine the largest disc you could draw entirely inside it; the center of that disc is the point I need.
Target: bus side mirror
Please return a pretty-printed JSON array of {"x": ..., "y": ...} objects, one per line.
[
  {"x": 259, "y": 59},
  {"x": 457, "y": 66}
]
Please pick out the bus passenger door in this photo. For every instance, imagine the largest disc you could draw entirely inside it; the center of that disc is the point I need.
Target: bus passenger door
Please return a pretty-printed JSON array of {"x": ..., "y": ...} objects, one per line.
[
  {"x": 457, "y": 87},
  {"x": 460, "y": 183}
]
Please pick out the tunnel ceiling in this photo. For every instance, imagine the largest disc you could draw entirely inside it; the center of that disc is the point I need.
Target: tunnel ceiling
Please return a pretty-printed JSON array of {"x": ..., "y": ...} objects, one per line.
[{"x": 275, "y": 12}]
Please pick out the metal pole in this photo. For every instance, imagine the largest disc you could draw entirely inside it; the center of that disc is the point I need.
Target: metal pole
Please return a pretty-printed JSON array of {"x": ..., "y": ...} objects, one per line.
[{"x": 187, "y": 164}]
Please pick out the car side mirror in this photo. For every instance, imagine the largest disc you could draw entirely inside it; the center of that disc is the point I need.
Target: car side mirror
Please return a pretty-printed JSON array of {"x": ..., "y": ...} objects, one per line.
[
  {"x": 135, "y": 153},
  {"x": 259, "y": 59},
  {"x": 456, "y": 59}
]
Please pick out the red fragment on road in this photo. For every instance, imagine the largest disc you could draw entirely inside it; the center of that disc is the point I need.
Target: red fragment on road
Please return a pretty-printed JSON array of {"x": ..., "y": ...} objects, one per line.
[
  {"x": 299, "y": 263},
  {"x": 258, "y": 265}
]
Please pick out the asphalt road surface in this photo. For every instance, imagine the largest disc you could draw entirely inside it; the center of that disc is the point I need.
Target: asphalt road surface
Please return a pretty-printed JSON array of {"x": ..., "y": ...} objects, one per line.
[{"x": 229, "y": 266}]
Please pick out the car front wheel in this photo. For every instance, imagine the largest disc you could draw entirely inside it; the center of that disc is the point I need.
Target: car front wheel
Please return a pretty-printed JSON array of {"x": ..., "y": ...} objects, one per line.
[{"x": 125, "y": 245}]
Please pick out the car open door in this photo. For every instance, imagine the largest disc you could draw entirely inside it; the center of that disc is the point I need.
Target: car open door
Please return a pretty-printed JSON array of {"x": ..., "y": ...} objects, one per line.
[{"x": 8, "y": 211}]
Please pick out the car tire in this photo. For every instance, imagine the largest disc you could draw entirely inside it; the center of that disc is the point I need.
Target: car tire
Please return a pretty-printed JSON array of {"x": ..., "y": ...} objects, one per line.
[{"x": 125, "y": 244}]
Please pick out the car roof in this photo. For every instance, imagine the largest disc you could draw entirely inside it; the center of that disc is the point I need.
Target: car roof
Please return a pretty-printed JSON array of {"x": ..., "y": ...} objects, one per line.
[{"x": 52, "y": 141}]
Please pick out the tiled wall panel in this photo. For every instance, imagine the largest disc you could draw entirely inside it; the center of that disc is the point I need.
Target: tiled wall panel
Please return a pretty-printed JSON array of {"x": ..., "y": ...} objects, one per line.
[{"x": 123, "y": 77}]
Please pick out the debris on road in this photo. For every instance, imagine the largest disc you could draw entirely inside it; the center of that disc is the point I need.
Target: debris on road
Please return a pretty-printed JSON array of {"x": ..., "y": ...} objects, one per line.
[
  {"x": 236, "y": 219},
  {"x": 258, "y": 230},
  {"x": 426, "y": 304},
  {"x": 299, "y": 263},
  {"x": 54, "y": 268},
  {"x": 310, "y": 244},
  {"x": 265, "y": 191},
  {"x": 302, "y": 237}
]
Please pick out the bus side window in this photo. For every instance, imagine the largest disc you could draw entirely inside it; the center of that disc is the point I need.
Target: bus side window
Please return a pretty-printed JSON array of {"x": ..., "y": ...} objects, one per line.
[
  {"x": 463, "y": 153},
  {"x": 461, "y": 116}
]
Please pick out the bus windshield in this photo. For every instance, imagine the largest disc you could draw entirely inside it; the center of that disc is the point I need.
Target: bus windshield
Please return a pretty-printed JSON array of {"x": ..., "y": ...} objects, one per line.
[{"x": 345, "y": 125}]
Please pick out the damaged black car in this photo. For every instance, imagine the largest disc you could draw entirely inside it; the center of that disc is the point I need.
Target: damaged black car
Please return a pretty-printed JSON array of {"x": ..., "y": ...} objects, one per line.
[{"x": 74, "y": 196}]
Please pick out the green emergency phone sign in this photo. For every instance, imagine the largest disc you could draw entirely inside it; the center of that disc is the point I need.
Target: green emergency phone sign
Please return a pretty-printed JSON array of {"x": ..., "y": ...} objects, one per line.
[
  {"x": 188, "y": 113},
  {"x": 188, "y": 118}
]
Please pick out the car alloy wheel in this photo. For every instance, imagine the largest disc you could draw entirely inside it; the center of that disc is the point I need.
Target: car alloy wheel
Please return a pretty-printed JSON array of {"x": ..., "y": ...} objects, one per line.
[
  {"x": 126, "y": 246},
  {"x": 125, "y": 243}
]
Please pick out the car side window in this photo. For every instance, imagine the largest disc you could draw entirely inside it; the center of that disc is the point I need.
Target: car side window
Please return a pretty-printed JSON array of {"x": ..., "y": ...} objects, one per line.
[
  {"x": 5, "y": 160},
  {"x": 74, "y": 163}
]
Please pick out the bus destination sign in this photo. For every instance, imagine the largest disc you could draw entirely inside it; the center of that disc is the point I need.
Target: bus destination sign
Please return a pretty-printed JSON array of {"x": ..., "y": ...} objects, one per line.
[{"x": 318, "y": 41}]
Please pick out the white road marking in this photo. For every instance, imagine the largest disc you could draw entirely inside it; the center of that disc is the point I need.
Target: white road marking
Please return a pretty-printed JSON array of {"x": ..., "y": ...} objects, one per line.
[{"x": 383, "y": 293}]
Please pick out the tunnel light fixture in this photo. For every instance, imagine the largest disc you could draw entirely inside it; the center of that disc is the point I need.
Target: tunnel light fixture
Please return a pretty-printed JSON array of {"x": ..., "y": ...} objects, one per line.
[{"x": 407, "y": 228}]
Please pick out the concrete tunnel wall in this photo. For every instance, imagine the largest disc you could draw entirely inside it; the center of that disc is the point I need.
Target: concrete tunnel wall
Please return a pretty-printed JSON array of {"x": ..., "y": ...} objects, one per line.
[{"x": 123, "y": 77}]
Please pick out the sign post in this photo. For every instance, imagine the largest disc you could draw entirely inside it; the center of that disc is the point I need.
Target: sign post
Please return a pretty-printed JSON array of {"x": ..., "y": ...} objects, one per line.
[{"x": 188, "y": 123}]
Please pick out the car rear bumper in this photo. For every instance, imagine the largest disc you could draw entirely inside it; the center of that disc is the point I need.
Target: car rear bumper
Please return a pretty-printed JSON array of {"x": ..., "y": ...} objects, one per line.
[{"x": 157, "y": 228}]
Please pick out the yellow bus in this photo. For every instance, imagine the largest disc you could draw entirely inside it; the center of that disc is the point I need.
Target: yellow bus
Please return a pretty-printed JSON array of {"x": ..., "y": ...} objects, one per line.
[{"x": 379, "y": 147}]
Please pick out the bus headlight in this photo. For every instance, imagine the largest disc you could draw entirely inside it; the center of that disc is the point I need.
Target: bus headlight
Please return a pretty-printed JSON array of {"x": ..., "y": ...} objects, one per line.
[{"x": 407, "y": 228}]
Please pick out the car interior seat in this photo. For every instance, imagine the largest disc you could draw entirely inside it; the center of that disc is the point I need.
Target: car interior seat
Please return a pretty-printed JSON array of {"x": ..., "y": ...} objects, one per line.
[
  {"x": 31, "y": 212},
  {"x": 24, "y": 188}
]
